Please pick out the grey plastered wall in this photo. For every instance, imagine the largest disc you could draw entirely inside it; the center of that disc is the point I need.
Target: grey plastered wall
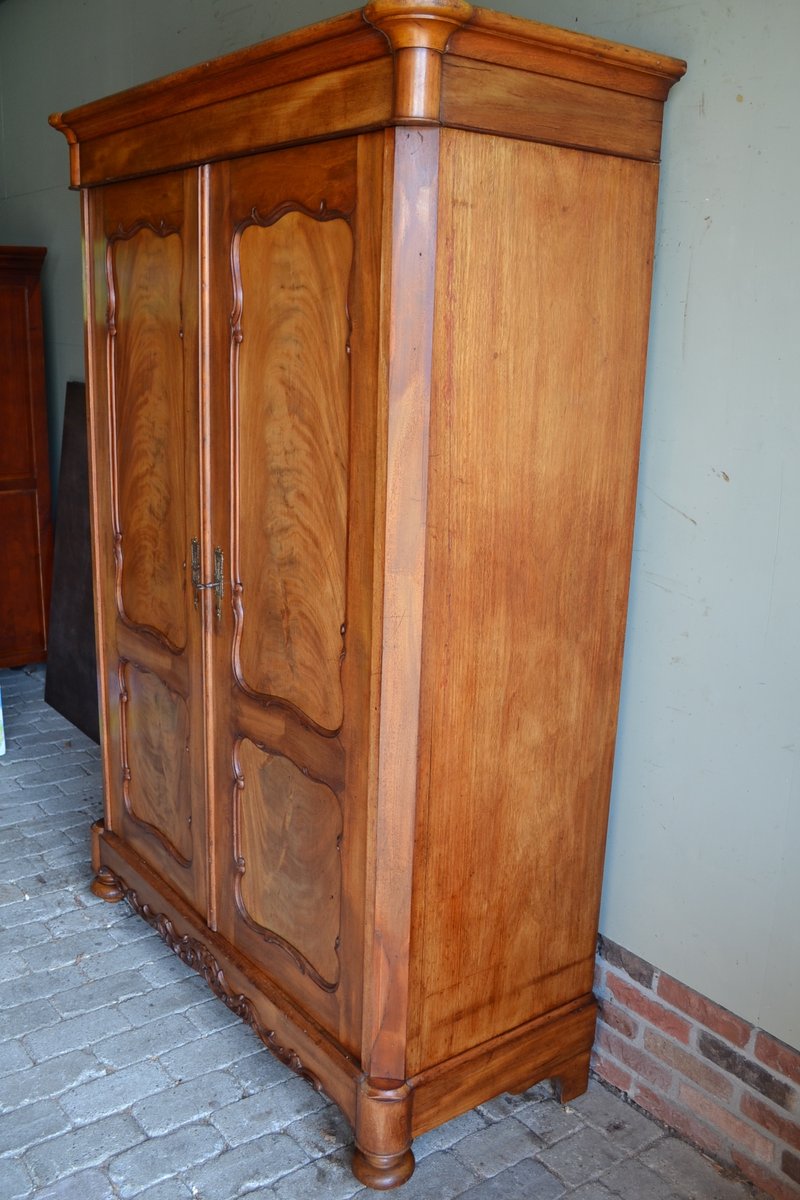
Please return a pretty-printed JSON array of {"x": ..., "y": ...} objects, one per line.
[{"x": 702, "y": 872}]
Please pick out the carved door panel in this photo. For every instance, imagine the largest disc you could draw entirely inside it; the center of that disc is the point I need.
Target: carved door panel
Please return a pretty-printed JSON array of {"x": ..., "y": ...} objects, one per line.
[
  {"x": 143, "y": 343},
  {"x": 294, "y": 346}
]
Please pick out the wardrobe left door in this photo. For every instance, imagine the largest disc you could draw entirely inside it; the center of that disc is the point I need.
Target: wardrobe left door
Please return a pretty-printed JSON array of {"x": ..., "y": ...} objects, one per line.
[{"x": 145, "y": 434}]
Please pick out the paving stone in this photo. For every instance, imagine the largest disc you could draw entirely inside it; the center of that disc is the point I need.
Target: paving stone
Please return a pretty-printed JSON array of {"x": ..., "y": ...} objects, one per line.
[
  {"x": 13, "y": 1058},
  {"x": 163, "y": 1002},
  {"x": 72, "y": 1034},
  {"x": 324, "y": 1131},
  {"x": 110, "y": 959},
  {"x": 261, "y": 1070},
  {"x": 81, "y": 1148},
  {"x": 113, "y": 1093},
  {"x": 622, "y": 1122},
  {"x": 170, "y": 1189},
  {"x": 127, "y": 927},
  {"x": 325, "y": 1179},
  {"x": 23, "y": 1127},
  {"x": 25, "y": 1018},
  {"x": 267, "y": 1112},
  {"x": 594, "y": 1191},
  {"x": 492, "y": 1149},
  {"x": 632, "y": 1178},
  {"x": 100, "y": 993},
  {"x": 448, "y": 1134},
  {"x": 520, "y": 1182},
  {"x": 101, "y": 1092},
  {"x": 440, "y": 1175},
  {"x": 50, "y": 1078},
  {"x": 220, "y": 1050},
  {"x": 158, "y": 1037},
  {"x": 691, "y": 1174},
  {"x": 38, "y": 908},
  {"x": 186, "y": 1102},
  {"x": 550, "y": 1120},
  {"x": 156, "y": 1159},
  {"x": 12, "y": 966},
  {"x": 245, "y": 1168},
  {"x": 92, "y": 915},
  {"x": 580, "y": 1157},
  {"x": 39, "y": 985},
  {"x": 87, "y": 1185},
  {"x": 169, "y": 970},
  {"x": 22, "y": 936},
  {"x": 211, "y": 1015},
  {"x": 509, "y": 1104},
  {"x": 15, "y": 1181}
]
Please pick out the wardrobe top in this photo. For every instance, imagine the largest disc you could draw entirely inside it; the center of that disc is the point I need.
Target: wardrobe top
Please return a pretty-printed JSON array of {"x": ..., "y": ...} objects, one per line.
[{"x": 392, "y": 62}]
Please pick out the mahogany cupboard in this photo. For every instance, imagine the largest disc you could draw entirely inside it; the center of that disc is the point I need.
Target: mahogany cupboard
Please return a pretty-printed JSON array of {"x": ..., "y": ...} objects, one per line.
[
  {"x": 366, "y": 341},
  {"x": 26, "y": 535}
]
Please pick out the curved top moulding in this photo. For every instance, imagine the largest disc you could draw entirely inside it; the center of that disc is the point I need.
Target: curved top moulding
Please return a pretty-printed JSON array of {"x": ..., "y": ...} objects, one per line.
[{"x": 391, "y": 63}]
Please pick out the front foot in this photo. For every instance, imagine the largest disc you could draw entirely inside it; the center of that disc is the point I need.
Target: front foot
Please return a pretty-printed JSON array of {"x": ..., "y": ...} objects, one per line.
[
  {"x": 383, "y": 1158},
  {"x": 106, "y": 885},
  {"x": 573, "y": 1079},
  {"x": 383, "y": 1171}
]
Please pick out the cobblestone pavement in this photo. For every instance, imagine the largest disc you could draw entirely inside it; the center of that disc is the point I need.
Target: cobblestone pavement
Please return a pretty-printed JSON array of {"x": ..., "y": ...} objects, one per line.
[{"x": 121, "y": 1076}]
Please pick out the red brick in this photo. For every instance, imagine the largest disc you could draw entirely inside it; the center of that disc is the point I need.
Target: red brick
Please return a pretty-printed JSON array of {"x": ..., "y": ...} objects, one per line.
[
  {"x": 699, "y": 1008},
  {"x": 739, "y": 1132},
  {"x": 641, "y": 1003},
  {"x": 680, "y": 1120},
  {"x": 643, "y": 972},
  {"x": 778, "y": 1056},
  {"x": 785, "y": 1129},
  {"x": 688, "y": 1065},
  {"x": 618, "y": 1019},
  {"x": 790, "y": 1165},
  {"x": 635, "y": 1059},
  {"x": 611, "y": 1072},
  {"x": 773, "y": 1185}
]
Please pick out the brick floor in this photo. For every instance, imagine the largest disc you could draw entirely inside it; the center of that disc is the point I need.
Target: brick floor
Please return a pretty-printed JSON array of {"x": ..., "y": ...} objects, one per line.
[{"x": 120, "y": 1076}]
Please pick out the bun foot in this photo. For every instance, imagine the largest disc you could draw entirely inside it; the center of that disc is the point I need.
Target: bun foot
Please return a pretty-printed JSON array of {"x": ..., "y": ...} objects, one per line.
[
  {"x": 383, "y": 1171},
  {"x": 106, "y": 885}
]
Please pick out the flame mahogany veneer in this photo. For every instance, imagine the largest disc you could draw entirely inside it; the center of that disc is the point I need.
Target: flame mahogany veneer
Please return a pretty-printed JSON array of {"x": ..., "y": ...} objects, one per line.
[{"x": 367, "y": 312}]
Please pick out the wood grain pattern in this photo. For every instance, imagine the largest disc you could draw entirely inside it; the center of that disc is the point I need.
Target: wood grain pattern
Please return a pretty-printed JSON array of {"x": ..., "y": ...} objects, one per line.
[
  {"x": 532, "y": 489},
  {"x": 143, "y": 308},
  {"x": 26, "y": 537},
  {"x": 344, "y": 76},
  {"x": 324, "y": 201},
  {"x": 146, "y": 366},
  {"x": 402, "y": 404},
  {"x": 155, "y": 749},
  {"x": 292, "y": 397},
  {"x": 288, "y": 828},
  {"x": 414, "y": 171},
  {"x": 542, "y": 108}
]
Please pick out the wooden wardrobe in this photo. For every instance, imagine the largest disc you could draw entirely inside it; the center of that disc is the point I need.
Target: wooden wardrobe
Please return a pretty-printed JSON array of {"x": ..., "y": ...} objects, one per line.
[
  {"x": 367, "y": 313},
  {"x": 26, "y": 532}
]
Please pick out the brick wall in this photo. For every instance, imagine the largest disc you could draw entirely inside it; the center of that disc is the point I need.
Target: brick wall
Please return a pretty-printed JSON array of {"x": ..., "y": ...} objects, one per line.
[{"x": 728, "y": 1087}]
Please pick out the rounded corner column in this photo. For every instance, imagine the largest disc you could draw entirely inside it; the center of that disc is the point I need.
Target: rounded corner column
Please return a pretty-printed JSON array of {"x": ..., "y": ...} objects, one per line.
[{"x": 383, "y": 1158}]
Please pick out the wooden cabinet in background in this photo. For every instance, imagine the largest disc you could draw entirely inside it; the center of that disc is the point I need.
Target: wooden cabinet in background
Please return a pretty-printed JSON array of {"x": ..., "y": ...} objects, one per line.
[
  {"x": 26, "y": 535},
  {"x": 367, "y": 317}
]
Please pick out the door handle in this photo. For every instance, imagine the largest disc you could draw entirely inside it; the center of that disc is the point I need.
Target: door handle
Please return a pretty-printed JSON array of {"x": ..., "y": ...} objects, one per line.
[{"x": 216, "y": 585}]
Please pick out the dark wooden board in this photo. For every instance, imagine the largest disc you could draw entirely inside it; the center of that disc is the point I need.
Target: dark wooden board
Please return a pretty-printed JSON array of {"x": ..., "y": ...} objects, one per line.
[{"x": 71, "y": 681}]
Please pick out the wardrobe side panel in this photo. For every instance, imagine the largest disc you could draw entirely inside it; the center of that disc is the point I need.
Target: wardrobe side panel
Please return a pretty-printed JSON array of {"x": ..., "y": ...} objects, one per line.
[{"x": 542, "y": 299}]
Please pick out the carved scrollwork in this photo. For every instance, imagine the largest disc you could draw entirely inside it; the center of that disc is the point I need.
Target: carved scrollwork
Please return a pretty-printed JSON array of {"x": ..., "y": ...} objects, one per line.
[{"x": 197, "y": 956}]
